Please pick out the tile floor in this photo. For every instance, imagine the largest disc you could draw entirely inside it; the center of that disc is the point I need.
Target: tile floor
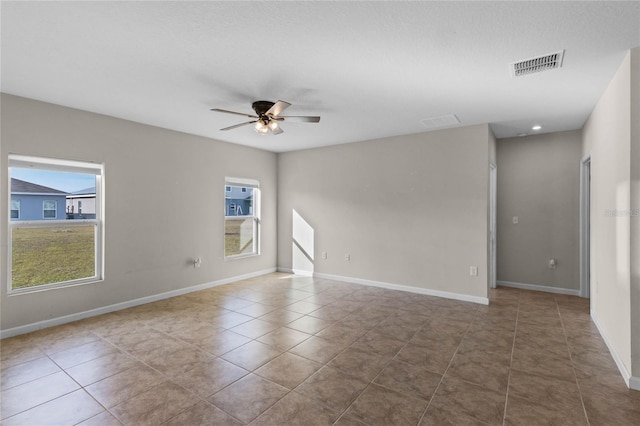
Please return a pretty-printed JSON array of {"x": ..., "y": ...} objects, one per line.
[{"x": 291, "y": 350}]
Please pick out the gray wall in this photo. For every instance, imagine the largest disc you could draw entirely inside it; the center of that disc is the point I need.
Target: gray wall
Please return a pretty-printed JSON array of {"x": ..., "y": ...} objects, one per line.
[
  {"x": 410, "y": 210},
  {"x": 178, "y": 178},
  {"x": 539, "y": 182}
]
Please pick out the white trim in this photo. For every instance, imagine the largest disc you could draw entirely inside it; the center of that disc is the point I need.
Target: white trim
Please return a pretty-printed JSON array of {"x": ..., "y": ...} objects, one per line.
[
  {"x": 128, "y": 304},
  {"x": 493, "y": 225},
  {"x": 410, "y": 289},
  {"x": 585, "y": 231},
  {"x": 631, "y": 381},
  {"x": 536, "y": 287}
]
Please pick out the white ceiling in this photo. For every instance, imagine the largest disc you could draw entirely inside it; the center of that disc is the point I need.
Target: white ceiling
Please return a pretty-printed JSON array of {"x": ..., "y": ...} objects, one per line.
[{"x": 370, "y": 69}]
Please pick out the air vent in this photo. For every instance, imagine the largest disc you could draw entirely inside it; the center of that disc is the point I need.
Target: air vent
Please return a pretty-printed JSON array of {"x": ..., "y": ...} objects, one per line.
[
  {"x": 443, "y": 121},
  {"x": 539, "y": 64}
]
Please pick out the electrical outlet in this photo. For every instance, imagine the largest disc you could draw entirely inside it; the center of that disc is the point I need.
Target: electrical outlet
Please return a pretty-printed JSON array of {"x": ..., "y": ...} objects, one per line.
[
  {"x": 473, "y": 271},
  {"x": 324, "y": 255},
  {"x": 347, "y": 257},
  {"x": 515, "y": 219},
  {"x": 197, "y": 262}
]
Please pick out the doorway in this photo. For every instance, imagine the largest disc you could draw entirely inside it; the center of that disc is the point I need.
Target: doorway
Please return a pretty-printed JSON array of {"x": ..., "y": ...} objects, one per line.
[{"x": 585, "y": 227}]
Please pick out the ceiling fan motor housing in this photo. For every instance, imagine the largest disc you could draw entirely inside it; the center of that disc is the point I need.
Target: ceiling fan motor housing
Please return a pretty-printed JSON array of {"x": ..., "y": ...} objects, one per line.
[{"x": 261, "y": 107}]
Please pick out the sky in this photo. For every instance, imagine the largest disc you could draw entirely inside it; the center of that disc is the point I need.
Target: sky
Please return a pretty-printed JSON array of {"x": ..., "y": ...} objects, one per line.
[{"x": 63, "y": 181}]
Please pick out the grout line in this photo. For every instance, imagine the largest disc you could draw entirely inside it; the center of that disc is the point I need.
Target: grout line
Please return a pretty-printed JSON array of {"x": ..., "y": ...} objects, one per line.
[
  {"x": 513, "y": 347},
  {"x": 433, "y": 395},
  {"x": 566, "y": 340}
]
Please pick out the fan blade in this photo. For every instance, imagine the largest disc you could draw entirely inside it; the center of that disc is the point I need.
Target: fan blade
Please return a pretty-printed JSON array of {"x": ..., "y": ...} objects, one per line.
[
  {"x": 278, "y": 107},
  {"x": 301, "y": 118},
  {"x": 235, "y": 126},
  {"x": 233, "y": 112},
  {"x": 277, "y": 131}
]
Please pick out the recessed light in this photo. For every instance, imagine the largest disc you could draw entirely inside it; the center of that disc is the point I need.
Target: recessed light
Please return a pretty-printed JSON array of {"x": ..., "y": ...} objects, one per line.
[{"x": 536, "y": 127}]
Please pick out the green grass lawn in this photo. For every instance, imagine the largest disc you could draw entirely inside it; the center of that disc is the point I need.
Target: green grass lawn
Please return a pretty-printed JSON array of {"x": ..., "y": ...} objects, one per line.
[{"x": 50, "y": 255}]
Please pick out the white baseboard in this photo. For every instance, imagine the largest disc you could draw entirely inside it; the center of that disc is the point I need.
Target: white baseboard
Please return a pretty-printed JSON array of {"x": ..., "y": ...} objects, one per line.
[
  {"x": 631, "y": 381},
  {"x": 128, "y": 304},
  {"x": 536, "y": 287},
  {"x": 411, "y": 289}
]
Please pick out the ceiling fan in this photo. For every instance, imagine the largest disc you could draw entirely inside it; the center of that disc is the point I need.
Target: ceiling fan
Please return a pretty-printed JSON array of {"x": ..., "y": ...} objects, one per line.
[{"x": 267, "y": 117}]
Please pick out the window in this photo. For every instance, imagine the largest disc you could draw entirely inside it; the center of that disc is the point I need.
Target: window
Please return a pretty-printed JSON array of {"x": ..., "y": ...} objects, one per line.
[
  {"x": 48, "y": 248},
  {"x": 15, "y": 209},
  {"x": 49, "y": 209},
  {"x": 242, "y": 218},
  {"x": 79, "y": 207}
]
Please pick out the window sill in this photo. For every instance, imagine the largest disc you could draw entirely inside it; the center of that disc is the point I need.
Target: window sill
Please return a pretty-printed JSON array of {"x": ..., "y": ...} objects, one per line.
[{"x": 47, "y": 287}]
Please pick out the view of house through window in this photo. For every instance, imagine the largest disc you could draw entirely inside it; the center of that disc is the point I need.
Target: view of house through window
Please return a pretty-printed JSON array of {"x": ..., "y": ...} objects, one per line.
[
  {"x": 242, "y": 222},
  {"x": 52, "y": 241}
]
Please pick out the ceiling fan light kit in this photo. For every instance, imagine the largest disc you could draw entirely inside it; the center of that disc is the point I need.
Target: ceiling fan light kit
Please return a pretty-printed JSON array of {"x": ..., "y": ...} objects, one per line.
[{"x": 267, "y": 115}]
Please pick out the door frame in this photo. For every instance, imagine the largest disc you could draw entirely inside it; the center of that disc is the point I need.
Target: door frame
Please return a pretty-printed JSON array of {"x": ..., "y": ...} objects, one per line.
[
  {"x": 493, "y": 225},
  {"x": 585, "y": 227}
]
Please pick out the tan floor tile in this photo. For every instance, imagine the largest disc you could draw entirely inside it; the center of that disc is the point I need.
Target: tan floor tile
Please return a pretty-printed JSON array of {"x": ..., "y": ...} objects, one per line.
[
  {"x": 379, "y": 343},
  {"x": 254, "y": 328},
  {"x": 380, "y": 406},
  {"x": 360, "y": 331},
  {"x": 249, "y": 397},
  {"x": 256, "y": 310},
  {"x": 551, "y": 392},
  {"x": 296, "y": 409},
  {"x": 16, "y": 353},
  {"x": 310, "y": 325},
  {"x": 482, "y": 369},
  {"x": 341, "y": 333},
  {"x": 284, "y": 338},
  {"x": 359, "y": 363},
  {"x": 124, "y": 385},
  {"x": 542, "y": 363},
  {"x": 78, "y": 355},
  {"x": 101, "y": 368},
  {"x": 329, "y": 313},
  {"x": 302, "y": 307},
  {"x": 281, "y": 316},
  {"x": 209, "y": 377},
  {"x": 457, "y": 396},
  {"x": 223, "y": 342},
  {"x": 155, "y": 405},
  {"x": 318, "y": 349},
  {"x": 102, "y": 419},
  {"x": 203, "y": 413},
  {"x": 332, "y": 388},
  {"x": 443, "y": 416},
  {"x": 69, "y": 409},
  {"x": 524, "y": 412},
  {"x": 26, "y": 372},
  {"x": 178, "y": 362},
  {"x": 252, "y": 355},
  {"x": 288, "y": 370},
  {"x": 431, "y": 359},
  {"x": 28, "y": 395},
  {"x": 409, "y": 379}
]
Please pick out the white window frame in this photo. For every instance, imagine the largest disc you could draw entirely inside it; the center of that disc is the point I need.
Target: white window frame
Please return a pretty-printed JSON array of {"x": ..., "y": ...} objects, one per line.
[
  {"x": 96, "y": 169},
  {"x": 11, "y": 210},
  {"x": 255, "y": 215},
  {"x": 55, "y": 210}
]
